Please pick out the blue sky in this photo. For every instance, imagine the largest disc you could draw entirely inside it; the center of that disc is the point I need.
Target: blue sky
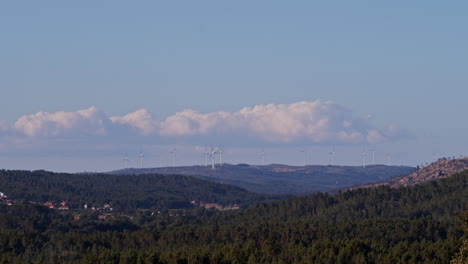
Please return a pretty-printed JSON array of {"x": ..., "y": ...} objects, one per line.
[{"x": 398, "y": 64}]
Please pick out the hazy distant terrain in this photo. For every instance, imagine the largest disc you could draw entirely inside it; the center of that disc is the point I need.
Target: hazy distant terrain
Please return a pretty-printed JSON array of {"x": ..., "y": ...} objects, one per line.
[{"x": 284, "y": 179}]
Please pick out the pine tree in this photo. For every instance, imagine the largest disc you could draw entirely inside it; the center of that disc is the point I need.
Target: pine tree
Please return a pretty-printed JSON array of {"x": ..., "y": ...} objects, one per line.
[{"x": 462, "y": 255}]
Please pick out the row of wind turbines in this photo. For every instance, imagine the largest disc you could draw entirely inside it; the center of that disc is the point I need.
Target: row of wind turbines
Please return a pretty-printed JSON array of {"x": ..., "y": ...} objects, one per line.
[
  {"x": 127, "y": 160},
  {"x": 141, "y": 157},
  {"x": 213, "y": 153},
  {"x": 332, "y": 154}
]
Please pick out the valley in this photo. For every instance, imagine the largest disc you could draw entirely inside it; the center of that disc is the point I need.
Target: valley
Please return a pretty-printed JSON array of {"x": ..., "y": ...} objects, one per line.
[{"x": 283, "y": 179}]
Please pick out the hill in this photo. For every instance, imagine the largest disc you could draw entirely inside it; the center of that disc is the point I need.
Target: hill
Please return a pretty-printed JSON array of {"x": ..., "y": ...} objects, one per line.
[
  {"x": 434, "y": 171},
  {"x": 124, "y": 192},
  {"x": 284, "y": 179},
  {"x": 415, "y": 224}
]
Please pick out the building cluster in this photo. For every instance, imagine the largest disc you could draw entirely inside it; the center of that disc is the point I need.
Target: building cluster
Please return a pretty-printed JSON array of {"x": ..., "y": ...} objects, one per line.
[
  {"x": 95, "y": 208},
  {"x": 5, "y": 200},
  {"x": 64, "y": 205},
  {"x": 215, "y": 206}
]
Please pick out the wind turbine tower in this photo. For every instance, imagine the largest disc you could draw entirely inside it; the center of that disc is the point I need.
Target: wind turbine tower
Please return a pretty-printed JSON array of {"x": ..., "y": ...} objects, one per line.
[
  {"x": 206, "y": 156},
  {"x": 126, "y": 161},
  {"x": 364, "y": 158},
  {"x": 263, "y": 157},
  {"x": 305, "y": 155},
  {"x": 141, "y": 159},
  {"x": 373, "y": 154},
  {"x": 332, "y": 153},
  {"x": 174, "y": 157},
  {"x": 213, "y": 157},
  {"x": 220, "y": 151}
]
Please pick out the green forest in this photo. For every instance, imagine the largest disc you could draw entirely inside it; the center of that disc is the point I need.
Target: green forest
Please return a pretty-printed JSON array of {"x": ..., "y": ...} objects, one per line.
[
  {"x": 124, "y": 192},
  {"x": 420, "y": 224}
]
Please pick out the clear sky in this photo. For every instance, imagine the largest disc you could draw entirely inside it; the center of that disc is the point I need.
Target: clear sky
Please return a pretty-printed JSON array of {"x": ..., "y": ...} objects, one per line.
[{"x": 85, "y": 82}]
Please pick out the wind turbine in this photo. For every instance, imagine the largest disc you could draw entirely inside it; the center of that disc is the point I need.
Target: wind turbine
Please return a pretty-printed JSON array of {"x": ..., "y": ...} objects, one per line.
[
  {"x": 263, "y": 157},
  {"x": 332, "y": 153},
  {"x": 174, "y": 157},
  {"x": 141, "y": 159},
  {"x": 373, "y": 154},
  {"x": 220, "y": 151},
  {"x": 388, "y": 159},
  {"x": 206, "y": 156},
  {"x": 364, "y": 157},
  {"x": 213, "y": 156},
  {"x": 126, "y": 161},
  {"x": 305, "y": 155}
]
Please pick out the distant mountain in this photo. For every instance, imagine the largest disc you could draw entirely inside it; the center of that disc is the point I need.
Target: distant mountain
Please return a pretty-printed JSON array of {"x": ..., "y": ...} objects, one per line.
[
  {"x": 284, "y": 179},
  {"x": 440, "y": 169},
  {"x": 124, "y": 191}
]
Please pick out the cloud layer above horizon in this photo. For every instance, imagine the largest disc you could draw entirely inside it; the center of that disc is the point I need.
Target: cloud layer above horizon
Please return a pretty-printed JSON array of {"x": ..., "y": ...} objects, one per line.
[{"x": 317, "y": 122}]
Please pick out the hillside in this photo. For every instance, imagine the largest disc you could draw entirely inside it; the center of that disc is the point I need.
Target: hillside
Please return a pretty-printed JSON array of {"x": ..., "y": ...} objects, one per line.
[
  {"x": 437, "y": 170},
  {"x": 123, "y": 191},
  {"x": 415, "y": 224},
  {"x": 284, "y": 179}
]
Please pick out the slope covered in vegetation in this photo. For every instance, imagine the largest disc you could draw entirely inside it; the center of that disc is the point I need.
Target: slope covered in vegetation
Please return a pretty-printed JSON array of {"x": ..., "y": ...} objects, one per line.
[
  {"x": 149, "y": 191},
  {"x": 381, "y": 225}
]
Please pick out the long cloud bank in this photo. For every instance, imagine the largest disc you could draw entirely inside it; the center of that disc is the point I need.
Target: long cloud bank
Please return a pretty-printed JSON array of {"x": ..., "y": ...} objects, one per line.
[{"x": 315, "y": 122}]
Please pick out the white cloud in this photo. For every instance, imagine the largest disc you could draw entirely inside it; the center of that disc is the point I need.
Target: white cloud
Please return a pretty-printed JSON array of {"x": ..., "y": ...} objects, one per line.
[
  {"x": 316, "y": 122},
  {"x": 306, "y": 122},
  {"x": 140, "y": 119},
  {"x": 374, "y": 136},
  {"x": 87, "y": 121},
  {"x": 190, "y": 123},
  {"x": 395, "y": 131}
]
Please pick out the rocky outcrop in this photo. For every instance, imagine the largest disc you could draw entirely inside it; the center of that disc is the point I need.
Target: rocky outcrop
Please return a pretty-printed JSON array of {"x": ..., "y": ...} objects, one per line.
[{"x": 437, "y": 170}]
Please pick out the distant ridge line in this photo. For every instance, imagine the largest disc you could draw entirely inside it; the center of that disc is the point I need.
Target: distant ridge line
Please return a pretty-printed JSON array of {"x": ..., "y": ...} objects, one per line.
[{"x": 284, "y": 179}]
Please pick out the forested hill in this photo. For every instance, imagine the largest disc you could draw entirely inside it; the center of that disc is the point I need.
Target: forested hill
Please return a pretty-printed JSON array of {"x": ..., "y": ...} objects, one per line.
[
  {"x": 440, "y": 169},
  {"x": 414, "y": 224},
  {"x": 377, "y": 225},
  {"x": 284, "y": 179},
  {"x": 123, "y": 191}
]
